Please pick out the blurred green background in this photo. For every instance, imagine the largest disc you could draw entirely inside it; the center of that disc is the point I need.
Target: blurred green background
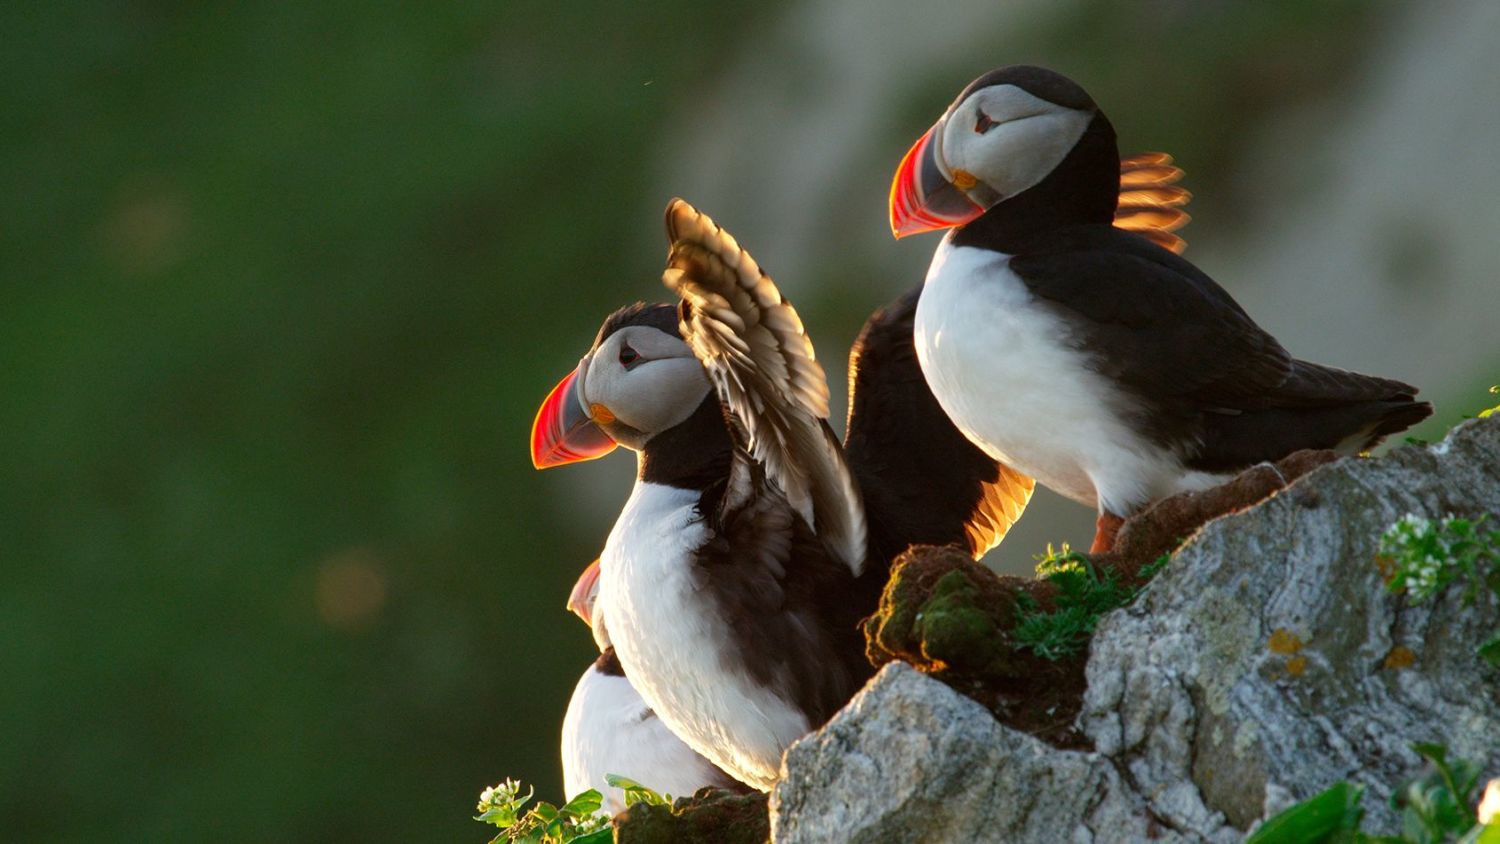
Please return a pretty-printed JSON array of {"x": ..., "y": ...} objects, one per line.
[{"x": 284, "y": 283}]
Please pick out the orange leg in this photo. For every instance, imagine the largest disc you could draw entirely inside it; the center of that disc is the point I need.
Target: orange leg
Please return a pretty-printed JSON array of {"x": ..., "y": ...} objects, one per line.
[{"x": 1105, "y": 529}]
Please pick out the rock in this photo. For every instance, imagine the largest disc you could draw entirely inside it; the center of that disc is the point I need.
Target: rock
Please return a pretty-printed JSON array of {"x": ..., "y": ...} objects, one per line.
[
  {"x": 910, "y": 759},
  {"x": 1266, "y": 662},
  {"x": 1163, "y": 526},
  {"x": 1269, "y": 660}
]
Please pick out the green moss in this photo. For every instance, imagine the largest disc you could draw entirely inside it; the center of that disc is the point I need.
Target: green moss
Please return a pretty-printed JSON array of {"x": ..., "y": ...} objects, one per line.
[
  {"x": 709, "y": 815},
  {"x": 956, "y": 630},
  {"x": 943, "y": 613}
]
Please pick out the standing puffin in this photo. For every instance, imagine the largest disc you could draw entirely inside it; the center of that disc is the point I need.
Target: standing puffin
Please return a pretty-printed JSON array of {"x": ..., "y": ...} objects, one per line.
[
  {"x": 753, "y": 544},
  {"x": 609, "y": 729},
  {"x": 1103, "y": 365}
]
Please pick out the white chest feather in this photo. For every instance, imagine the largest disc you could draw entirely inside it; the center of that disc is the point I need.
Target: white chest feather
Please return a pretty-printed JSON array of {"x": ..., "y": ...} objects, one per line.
[
  {"x": 609, "y": 729},
  {"x": 676, "y": 650},
  {"x": 1009, "y": 373}
]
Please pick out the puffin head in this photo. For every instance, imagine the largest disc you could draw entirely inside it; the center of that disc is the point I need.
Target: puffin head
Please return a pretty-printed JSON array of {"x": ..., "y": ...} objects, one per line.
[
  {"x": 1004, "y": 134},
  {"x": 638, "y": 380}
]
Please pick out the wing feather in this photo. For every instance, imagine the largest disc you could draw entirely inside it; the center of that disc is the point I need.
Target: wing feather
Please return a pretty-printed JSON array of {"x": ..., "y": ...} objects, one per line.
[
  {"x": 758, "y": 355},
  {"x": 1150, "y": 201}
]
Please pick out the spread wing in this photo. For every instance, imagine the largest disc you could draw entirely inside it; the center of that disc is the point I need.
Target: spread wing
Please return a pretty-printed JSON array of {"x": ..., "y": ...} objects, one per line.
[
  {"x": 924, "y": 482},
  {"x": 1151, "y": 201},
  {"x": 761, "y": 362}
]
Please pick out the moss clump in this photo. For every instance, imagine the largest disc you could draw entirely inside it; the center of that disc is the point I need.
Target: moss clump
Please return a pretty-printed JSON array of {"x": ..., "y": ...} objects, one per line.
[
  {"x": 711, "y": 814},
  {"x": 944, "y": 614},
  {"x": 951, "y": 618}
]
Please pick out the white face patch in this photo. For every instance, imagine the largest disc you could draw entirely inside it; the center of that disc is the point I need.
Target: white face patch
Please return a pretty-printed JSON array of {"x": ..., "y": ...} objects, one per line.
[
  {"x": 647, "y": 378},
  {"x": 1024, "y": 137}
]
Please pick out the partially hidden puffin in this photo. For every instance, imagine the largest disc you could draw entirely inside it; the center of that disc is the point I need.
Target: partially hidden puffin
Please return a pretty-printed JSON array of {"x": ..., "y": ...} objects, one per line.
[
  {"x": 753, "y": 543},
  {"x": 1103, "y": 365},
  {"x": 609, "y": 729}
]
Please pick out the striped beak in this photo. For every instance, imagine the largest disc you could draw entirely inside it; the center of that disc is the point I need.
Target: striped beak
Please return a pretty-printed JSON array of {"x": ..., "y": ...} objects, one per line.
[
  {"x": 924, "y": 197},
  {"x": 581, "y": 601},
  {"x": 563, "y": 431}
]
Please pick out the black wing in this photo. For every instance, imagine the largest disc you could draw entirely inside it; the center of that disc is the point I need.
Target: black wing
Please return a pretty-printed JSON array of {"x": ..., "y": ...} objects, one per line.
[
  {"x": 1158, "y": 326},
  {"x": 1152, "y": 320},
  {"x": 796, "y": 632}
]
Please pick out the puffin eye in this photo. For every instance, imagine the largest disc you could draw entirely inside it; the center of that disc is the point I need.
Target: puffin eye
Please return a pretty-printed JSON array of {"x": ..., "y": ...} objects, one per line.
[
  {"x": 983, "y": 123},
  {"x": 628, "y": 356}
]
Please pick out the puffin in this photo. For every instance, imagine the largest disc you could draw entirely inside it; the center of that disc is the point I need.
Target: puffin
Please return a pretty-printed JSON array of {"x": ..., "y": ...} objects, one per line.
[
  {"x": 1100, "y": 363},
  {"x": 609, "y": 729},
  {"x": 753, "y": 541}
]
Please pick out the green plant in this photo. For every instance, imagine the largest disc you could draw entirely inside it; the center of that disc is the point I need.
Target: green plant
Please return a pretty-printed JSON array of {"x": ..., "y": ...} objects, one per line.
[
  {"x": 1484, "y": 414},
  {"x": 637, "y": 793},
  {"x": 576, "y": 822},
  {"x": 1085, "y": 592},
  {"x": 1426, "y": 556},
  {"x": 1331, "y": 815},
  {"x": 1436, "y": 807}
]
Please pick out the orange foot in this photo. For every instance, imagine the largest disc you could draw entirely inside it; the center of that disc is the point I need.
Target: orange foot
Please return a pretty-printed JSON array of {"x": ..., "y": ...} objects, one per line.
[{"x": 1106, "y": 528}]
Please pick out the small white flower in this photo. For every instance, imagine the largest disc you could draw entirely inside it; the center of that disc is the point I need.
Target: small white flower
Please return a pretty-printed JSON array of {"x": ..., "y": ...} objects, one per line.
[{"x": 1489, "y": 807}]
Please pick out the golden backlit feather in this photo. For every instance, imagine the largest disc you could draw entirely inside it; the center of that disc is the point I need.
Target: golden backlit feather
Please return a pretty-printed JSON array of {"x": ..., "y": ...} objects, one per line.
[
  {"x": 1000, "y": 507},
  {"x": 1150, "y": 201}
]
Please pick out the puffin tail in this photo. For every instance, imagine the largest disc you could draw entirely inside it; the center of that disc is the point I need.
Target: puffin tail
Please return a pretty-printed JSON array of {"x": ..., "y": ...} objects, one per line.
[
  {"x": 1318, "y": 407},
  {"x": 1387, "y": 417},
  {"x": 1348, "y": 411}
]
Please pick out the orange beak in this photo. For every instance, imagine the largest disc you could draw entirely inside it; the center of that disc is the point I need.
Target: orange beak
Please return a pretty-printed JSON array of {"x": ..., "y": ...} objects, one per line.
[
  {"x": 923, "y": 197},
  {"x": 581, "y": 600},
  {"x": 563, "y": 431}
]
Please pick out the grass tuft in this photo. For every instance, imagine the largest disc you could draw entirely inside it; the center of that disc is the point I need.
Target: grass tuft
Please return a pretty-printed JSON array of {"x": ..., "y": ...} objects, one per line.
[{"x": 1085, "y": 592}]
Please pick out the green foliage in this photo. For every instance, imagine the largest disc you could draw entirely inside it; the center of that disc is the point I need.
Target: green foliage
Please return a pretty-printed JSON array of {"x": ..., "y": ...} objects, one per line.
[
  {"x": 576, "y": 822},
  {"x": 1436, "y": 807},
  {"x": 1332, "y": 815},
  {"x": 1085, "y": 592},
  {"x": 1427, "y": 556},
  {"x": 637, "y": 793}
]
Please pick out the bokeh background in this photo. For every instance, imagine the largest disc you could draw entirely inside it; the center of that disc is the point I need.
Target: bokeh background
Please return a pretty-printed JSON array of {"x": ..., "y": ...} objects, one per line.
[{"x": 284, "y": 283}]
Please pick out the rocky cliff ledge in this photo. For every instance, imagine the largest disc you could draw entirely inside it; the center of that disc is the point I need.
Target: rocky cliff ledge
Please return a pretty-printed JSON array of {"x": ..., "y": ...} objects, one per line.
[{"x": 1265, "y": 662}]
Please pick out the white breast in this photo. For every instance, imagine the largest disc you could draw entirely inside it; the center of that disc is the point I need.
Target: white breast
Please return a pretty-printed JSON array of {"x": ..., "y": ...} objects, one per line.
[
  {"x": 609, "y": 729},
  {"x": 1009, "y": 374},
  {"x": 674, "y": 647}
]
